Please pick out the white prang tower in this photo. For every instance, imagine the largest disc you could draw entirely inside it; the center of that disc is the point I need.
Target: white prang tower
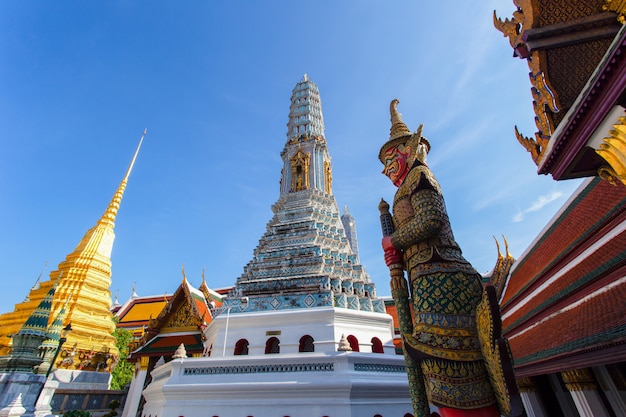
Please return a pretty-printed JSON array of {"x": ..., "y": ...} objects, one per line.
[{"x": 303, "y": 332}]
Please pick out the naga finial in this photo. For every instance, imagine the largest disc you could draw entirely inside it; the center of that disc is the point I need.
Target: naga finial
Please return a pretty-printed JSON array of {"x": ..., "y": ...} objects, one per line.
[{"x": 498, "y": 247}]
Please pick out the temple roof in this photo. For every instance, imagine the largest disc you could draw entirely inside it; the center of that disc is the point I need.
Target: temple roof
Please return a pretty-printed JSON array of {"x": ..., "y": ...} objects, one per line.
[
  {"x": 166, "y": 345},
  {"x": 575, "y": 52},
  {"x": 53, "y": 335},
  {"x": 137, "y": 312},
  {"x": 573, "y": 270},
  {"x": 570, "y": 152},
  {"x": 181, "y": 318},
  {"x": 498, "y": 275}
]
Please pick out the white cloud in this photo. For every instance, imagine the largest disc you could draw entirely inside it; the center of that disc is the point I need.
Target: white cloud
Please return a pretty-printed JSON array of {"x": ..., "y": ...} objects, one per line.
[{"x": 537, "y": 205}]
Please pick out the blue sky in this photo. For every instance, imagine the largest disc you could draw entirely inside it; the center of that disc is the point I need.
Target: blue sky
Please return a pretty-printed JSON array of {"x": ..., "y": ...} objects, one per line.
[{"x": 211, "y": 81}]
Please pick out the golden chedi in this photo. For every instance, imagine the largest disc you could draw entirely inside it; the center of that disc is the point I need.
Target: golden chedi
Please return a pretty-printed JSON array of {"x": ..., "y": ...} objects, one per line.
[{"x": 84, "y": 280}]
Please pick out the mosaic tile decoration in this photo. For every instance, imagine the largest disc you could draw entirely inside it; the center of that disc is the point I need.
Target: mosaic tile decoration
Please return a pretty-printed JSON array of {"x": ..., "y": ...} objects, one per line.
[{"x": 260, "y": 369}]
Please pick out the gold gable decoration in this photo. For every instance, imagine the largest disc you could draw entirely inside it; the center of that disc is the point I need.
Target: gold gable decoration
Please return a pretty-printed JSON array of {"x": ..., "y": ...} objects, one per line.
[
  {"x": 182, "y": 318},
  {"x": 181, "y": 313}
]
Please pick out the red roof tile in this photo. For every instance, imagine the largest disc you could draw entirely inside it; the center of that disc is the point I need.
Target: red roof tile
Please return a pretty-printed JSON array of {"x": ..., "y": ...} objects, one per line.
[
  {"x": 599, "y": 320},
  {"x": 586, "y": 215}
]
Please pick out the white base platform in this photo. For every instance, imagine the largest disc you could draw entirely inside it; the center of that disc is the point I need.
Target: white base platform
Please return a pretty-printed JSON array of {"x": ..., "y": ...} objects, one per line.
[{"x": 338, "y": 384}]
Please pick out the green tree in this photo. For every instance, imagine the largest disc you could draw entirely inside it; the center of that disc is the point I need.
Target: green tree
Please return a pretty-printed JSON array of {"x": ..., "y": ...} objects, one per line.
[{"x": 123, "y": 372}]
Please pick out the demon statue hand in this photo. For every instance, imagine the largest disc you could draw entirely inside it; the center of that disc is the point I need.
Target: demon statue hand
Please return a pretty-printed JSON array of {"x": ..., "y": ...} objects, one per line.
[{"x": 445, "y": 289}]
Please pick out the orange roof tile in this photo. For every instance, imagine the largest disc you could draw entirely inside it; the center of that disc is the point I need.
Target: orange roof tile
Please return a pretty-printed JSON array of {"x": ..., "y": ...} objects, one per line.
[{"x": 143, "y": 311}]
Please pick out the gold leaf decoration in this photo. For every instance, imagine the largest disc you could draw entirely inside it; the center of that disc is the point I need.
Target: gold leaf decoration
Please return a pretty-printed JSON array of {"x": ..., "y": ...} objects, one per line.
[
  {"x": 613, "y": 150},
  {"x": 617, "y": 6}
]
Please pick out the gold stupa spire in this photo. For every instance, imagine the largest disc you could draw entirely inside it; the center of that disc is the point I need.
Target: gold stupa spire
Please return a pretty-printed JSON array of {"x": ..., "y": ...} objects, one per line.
[
  {"x": 111, "y": 212},
  {"x": 85, "y": 281},
  {"x": 87, "y": 278}
]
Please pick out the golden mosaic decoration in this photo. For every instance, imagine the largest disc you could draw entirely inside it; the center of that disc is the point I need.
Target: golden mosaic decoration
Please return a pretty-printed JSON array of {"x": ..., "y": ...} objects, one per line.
[
  {"x": 525, "y": 384},
  {"x": 617, "y": 6},
  {"x": 300, "y": 164},
  {"x": 515, "y": 27},
  {"x": 497, "y": 354},
  {"x": 579, "y": 380},
  {"x": 613, "y": 150},
  {"x": 182, "y": 318},
  {"x": 328, "y": 177},
  {"x": 144, "y": 361}
]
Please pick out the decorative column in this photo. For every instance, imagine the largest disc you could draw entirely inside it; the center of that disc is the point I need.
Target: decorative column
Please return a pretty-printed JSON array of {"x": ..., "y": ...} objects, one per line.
[
  {"x": 582, "y": 386},
  {"x": 136, "y": 387},
  {"x": 530, "y": 398},
  {"x": 610, "y": 390}
]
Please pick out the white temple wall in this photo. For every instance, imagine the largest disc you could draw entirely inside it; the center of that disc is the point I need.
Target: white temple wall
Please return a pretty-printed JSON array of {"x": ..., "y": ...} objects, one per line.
[{"x": 325, "y": 325}]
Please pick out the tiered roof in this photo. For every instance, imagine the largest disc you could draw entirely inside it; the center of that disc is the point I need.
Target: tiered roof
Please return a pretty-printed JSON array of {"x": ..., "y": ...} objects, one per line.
[
  {"x": 183, "y": 317},
  {"x": 135, "y": 314},
  {"x": 575, "y": 52},
  {"x": 564, "y": 298},
  {"x": 563, "y": 305}
]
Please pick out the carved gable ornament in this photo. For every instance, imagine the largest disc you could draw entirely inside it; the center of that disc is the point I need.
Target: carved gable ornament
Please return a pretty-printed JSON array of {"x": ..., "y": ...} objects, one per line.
[
  {"x": 544, "y": 98},
  {"x": 183, "y": 317}
]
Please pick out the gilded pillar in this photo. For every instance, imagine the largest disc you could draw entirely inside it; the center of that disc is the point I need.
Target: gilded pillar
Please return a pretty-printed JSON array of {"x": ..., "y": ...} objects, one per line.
[
  {"x": 584, "y": 391},
  {"x": 136, "y": 387},
  {"x": 530, "y": 398},
  {"x": 143, "y": 363}
]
